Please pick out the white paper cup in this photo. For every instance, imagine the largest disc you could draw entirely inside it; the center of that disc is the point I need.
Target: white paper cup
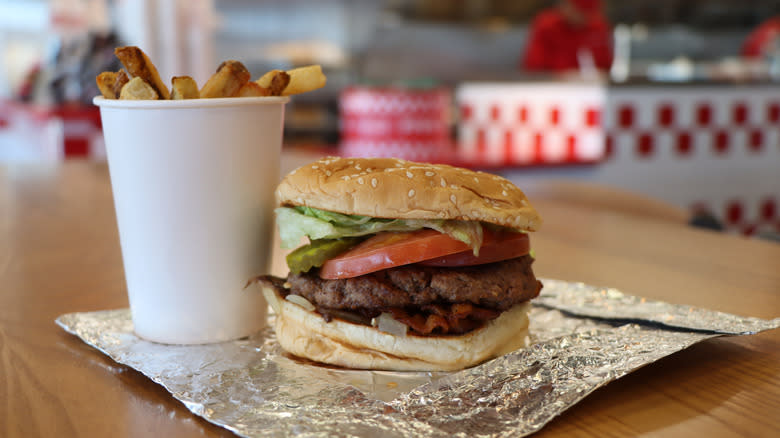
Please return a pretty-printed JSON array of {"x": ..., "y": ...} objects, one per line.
[{"x": 193, "y": 183}]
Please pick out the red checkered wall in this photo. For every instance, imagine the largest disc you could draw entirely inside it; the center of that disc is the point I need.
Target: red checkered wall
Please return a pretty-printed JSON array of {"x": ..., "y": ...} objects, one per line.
[
  {"x": 506, "y": 125},
  {"x": 732, "y": 131},
  {"x": 694, "y": 146},
  {"x": 396, "y": 122}
]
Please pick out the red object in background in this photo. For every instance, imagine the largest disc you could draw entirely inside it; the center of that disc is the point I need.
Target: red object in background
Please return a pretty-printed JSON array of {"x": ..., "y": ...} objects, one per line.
[
  {"x": 666, "y": 115},
  {"x": 466, "y": 112},
  {"x": 400, "y": 122},
  {"x": 645, "y": 148},
  {"x": 721, "y": 142},
  {"x": 554, "y": 43},
  {"x": 740, "y": 113},
  {"x": 773, "y": 112},
  {"x": 756, "y": 140},
  {"x": 80, "y": 124},
  {"x": 762, "y": 38},
  {"x": 704, "y": 114},
  {"x": 555, "y": 116},
  {"x": 592, "y": 118},
  {"x": 684, "y": 144},
  {"x": 626, "y": 116}
]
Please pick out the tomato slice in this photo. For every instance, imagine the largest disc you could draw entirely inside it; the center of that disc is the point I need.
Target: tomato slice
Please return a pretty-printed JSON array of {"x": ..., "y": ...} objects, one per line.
[
  {"x": 432, "y": 248},
  {"x": 386, "y": 250},
  {"x": 503, "y": 246}
]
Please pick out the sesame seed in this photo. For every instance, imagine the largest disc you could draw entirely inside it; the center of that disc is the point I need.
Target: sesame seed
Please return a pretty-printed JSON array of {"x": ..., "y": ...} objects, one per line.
[
  {"x": 360, "y": 180},
  {"x": 293, "y": 172},
  {"x": 357, "y": 166},
  {"x": 328, "y": 173},
  {"x": 453, "y": 199},
  {"x": 454, "y": 186},
  {"x": 409, "y": 174},
  {"x": 503, "y": 192},
  {"x": 443, "y": 183},
  {"x": 476, "y": 180},
  {"x": 429, "y": 173},
  {"x": 411, "y": 193},
  {"x": 345, "y": 177},
  {"x": 315, "y": 167},
  {"x": 369, "y": 169},
  {"x": 373, "y": 182}
]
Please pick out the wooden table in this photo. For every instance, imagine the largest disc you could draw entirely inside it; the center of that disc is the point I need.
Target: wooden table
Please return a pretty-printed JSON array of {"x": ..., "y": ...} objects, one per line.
[{"x": 59, "y": 253}]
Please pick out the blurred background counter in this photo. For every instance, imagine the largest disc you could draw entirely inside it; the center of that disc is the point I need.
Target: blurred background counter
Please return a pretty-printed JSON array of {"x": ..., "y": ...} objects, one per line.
[{"x": 687, "y": 112}]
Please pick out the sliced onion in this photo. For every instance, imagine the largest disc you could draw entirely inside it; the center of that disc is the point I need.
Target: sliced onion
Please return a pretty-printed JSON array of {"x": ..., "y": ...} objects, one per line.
[
  {"x": 301, "y": 301},
  {"x": 386, "y": 323},
  {"x": 347, "y": 316}
]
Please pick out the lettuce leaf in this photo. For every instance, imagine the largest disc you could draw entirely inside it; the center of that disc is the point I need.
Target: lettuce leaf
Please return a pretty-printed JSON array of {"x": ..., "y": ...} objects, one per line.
[{"x": 295, "y": 223}]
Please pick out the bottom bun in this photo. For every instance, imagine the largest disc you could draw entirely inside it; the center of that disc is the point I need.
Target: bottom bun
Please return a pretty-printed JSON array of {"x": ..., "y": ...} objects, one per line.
[{"x": 306, "y": 334}]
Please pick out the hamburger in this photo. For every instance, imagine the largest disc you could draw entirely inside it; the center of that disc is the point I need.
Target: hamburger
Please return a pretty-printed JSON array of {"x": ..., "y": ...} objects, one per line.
[{"x": 405, "y": 265}]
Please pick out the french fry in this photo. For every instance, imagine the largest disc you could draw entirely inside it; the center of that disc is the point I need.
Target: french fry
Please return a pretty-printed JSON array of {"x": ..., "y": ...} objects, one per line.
[
  {"x": 121, "y": 80},
  {"x": 110, "y": 84},
  {"x": 265, "y": 80},
  {"x": 184, "y": 87},
  {"x": 138, "y": 89},
  {"x": 232, "y": 79},
  {"x": 229, "y": 78},
  {"x": 279, "y": 83},
  {"x": 138, "y": 65},
  {"x": 251, "y": 89},
  {"x": 275, "y": 81},
  {"x": 105, "y": 83},
  {"x": 305, "y": 79}
]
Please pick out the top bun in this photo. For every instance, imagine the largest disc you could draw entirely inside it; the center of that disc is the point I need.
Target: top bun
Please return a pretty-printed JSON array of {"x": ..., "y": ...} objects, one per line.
[{"x": 394, "y": 188}]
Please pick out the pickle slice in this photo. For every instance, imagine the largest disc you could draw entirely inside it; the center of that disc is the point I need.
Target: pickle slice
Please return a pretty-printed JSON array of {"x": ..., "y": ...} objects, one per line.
[{"x": 317, "y": 252}]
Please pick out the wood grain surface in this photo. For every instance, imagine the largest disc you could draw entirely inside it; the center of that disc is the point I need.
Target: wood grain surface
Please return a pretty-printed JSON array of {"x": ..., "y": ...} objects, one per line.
[{"x": 59, "y": 253}]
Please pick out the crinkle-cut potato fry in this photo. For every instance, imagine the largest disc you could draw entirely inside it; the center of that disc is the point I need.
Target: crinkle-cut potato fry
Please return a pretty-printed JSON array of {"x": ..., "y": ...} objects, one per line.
[
  {"x": 305, "y": 79},
  {"x": 110, "y": 84},
  {"x": 138, "y": 89},
  {"x": 251, "y": 89},
  {"x": 184, "y": 87},
  {"x": 229, "y": 78},
  {"x": 139, "y": 65}
]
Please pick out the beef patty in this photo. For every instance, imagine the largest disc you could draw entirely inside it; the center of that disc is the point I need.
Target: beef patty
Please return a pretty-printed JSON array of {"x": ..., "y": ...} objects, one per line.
[{"x": 496, "y": 286}]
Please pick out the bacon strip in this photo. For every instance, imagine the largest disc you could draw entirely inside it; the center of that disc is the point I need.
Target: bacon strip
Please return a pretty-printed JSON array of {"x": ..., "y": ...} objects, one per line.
[{"x": 443, "y": 319}]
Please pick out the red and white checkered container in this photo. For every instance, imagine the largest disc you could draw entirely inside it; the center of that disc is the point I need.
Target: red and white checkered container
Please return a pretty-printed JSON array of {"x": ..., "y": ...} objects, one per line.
[
  {"x": 507, "y": 124},
  {"x": 705, "y": 147},
  {"x": 406, "y": 123},
  {"x": 698, "y": 146}
]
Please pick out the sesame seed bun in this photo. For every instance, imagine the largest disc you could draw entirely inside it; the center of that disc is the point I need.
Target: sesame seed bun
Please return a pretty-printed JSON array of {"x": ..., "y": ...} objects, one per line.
[
  {"x": 306, "y": 334},
  {"x": 394, "y": 188}
]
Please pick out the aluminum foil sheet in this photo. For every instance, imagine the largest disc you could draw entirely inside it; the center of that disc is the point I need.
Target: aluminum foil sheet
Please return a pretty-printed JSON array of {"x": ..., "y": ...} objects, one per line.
[{"x": 582, "y": 338}]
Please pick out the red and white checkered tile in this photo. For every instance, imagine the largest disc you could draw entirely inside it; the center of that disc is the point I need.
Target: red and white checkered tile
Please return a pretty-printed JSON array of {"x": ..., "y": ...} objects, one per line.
[
  {"x": 687, "y": 145},
  {"x": 387, "y": 121},
  {"x": 507, "y": 124}
]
